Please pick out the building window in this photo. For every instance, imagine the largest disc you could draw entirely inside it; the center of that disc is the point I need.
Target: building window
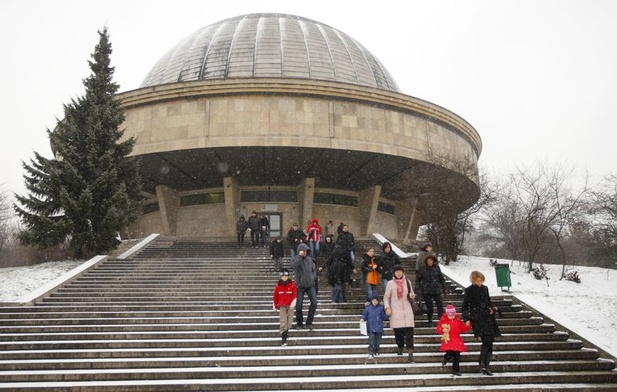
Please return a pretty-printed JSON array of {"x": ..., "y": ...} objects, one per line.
[
  {"x": 385, "y": 207},
  {"x": 333, "y": 198},
  {"x": 281, "y": 196},
  {"x": 202, "y": 198}
]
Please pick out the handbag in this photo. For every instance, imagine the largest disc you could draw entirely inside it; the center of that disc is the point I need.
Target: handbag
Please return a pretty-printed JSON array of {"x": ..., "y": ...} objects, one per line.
[{"x": 417, "y": 308}]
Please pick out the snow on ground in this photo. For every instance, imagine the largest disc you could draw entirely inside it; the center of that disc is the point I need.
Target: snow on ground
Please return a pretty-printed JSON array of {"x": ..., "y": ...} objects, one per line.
[
  {"x": 16, "y": 282},
  {"x": 588, "y": 308}
]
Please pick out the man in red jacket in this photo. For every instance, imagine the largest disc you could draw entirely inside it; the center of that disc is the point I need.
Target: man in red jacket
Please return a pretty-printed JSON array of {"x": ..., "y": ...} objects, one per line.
[{"x": 284, "y": 300}]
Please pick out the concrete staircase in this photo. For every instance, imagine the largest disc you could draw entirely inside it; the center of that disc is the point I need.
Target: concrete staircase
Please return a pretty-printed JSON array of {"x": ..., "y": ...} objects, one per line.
[{"x": 197, "y": 316}]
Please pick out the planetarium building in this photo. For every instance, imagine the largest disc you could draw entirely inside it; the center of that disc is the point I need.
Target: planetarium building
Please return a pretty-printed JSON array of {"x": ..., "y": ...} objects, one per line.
[{"x": 293, "y": 119}]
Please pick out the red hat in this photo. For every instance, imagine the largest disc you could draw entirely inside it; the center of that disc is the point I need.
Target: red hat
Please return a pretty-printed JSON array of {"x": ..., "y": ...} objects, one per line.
[{"x": 450, "y": 309}]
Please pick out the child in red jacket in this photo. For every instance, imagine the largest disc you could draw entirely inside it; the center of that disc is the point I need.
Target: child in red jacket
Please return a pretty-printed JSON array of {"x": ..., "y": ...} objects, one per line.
[
  {"x": 284, "y": 300},
  {"x": 450, "y": 327}
]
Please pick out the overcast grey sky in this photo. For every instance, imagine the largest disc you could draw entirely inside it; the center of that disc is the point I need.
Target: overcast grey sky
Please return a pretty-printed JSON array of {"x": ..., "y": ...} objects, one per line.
[{"x": 536, "y": 78}]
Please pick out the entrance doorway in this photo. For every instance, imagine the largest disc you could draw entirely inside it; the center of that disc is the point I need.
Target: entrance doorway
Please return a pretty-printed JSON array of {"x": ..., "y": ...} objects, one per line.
[{"x": 275, "y": 224}]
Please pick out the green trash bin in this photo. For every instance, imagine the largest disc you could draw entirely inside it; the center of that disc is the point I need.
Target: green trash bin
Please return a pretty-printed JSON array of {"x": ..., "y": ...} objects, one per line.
[{"x": 502, "y": 271}]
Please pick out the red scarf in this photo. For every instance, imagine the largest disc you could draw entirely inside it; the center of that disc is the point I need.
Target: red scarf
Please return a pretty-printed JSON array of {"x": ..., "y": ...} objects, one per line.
[{"x": 399, "y": 287}]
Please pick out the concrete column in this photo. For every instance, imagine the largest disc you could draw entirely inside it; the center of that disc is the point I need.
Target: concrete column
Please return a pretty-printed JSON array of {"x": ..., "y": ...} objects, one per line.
[
  {"x": 368, "y": 201},
  {"x": 168, "y": 205},
  {"x": 408, "y": 219},
  {"x": 306, "y": 194},
  {"x": 231, "y": 188}
]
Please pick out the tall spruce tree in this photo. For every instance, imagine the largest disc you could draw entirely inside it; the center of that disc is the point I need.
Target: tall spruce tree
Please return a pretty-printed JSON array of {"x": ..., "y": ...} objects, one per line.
[{"x": 91, "y": 190}]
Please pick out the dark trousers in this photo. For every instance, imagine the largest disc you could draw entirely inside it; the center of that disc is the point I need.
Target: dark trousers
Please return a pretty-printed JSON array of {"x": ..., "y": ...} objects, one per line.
[
  {"x": 312, "y": 295},
  {"x": 241, "y": 239},
  {"x": 486, "y": 351},
  {"x": 428, "y": 300},
  {"x": 455, "y": 357},
  {"x": 404, "y": 337},
  {"x": 254, "y": 237}
]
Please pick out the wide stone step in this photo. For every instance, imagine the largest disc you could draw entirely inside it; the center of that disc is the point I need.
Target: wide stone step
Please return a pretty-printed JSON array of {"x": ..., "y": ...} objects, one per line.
[
  {"x": 212, "y": 370},
  {"x": 194, "y": 381},
  {"x": 223, "y": 331},
  {"x": 293, "y": 352},
  {"x": 272, "y": 323},
  {"x": 319, "y": 344},
  {"x": 431, "y": 362}
]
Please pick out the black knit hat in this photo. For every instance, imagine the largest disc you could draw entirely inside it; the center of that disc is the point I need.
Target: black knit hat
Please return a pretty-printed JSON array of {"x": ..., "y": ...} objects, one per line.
[
  {"x": 284, "y": 272},
  {"x": 398, "y": 267}
]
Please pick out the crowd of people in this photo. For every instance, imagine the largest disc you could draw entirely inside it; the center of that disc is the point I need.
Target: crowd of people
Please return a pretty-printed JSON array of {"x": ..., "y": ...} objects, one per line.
[{"x": 379, "y": 273}]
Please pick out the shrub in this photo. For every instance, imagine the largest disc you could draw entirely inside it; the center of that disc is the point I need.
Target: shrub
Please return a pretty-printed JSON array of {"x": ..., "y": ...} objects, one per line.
[
  {"x": 572, "y": 276},
  {"x": 540, "y": 273}
]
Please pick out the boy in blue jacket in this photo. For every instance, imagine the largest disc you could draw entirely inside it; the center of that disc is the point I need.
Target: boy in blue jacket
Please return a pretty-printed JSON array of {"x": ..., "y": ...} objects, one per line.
[{"x": 374, "y": 315}]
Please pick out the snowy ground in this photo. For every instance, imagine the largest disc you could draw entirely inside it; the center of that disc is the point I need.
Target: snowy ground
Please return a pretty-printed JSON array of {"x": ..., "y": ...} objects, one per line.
[{"x": 588, "y": 308}]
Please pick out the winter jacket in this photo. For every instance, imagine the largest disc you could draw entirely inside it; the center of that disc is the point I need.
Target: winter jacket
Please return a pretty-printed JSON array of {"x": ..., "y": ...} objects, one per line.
[
  {"x": 346, "y": 241},
  {"x": 402, "y": 313},
  {"x": 304, "y": 268},
  {"x": 388, "y": 261},
  {"x": 276, "y": 249},
  {"x": 284, "y": 293},
  {"x": 327, "y": 247},
  {"x": 313, "y": 232},
  {"x": 457, "y": 327},
  {"x": 477, "y": 308},
  {"x": 367, "y": 266},
  {"x": 241, "y": 225},
  {"x": 339, "y": 267},
  {"x": 264, "y": 224},
  {"x": 430, "y": 280},
  {"x": 295, "y": 237},
  {"x": 374, "y": 315},
  {"x": 253, "y": 223}
]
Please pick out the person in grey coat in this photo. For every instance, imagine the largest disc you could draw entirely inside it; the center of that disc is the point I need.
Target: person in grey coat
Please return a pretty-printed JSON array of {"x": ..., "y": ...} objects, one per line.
[{"x": 305, "y": 274}]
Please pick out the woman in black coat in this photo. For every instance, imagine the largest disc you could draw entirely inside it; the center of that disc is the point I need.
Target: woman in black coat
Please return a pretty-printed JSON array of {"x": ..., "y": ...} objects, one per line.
[
  {"x": 479, "y": 312},
  {"x": 388, "y": 261},
  {"x": 432, "y": 284}
]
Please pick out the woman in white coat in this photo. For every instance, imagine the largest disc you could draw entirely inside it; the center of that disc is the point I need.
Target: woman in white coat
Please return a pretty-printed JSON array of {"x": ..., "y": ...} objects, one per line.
[{"x": 396, "y": 302}]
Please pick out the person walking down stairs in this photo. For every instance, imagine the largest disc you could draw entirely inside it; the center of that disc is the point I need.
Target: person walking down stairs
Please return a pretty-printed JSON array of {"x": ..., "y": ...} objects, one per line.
[
  {"x": 450, "y": 327},
  {"x": 277, "y": 251},
  {"x": 396, "y": 301},
  {"x": 284, "y": 300},
  {"x": 479, "y": 312},
  {"x": 374, "y": 315},
  {"x": 305, "y": 273}
]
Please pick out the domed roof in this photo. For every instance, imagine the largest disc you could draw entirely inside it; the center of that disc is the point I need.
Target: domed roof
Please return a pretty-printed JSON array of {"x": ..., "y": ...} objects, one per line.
[{"x": 270, "y": 46}]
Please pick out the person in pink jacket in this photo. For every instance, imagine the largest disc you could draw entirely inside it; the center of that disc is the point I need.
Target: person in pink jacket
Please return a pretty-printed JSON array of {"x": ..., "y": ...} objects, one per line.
[
  {"x": 396, "y": 302},
  {"x": 450, "y": 327}
]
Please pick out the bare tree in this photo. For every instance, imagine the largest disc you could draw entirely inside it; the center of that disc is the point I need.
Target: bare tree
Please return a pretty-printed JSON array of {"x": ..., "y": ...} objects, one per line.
[
  {"x": 603, "y": 224},
  {"x": 451, "y": 215},
  {"x": 535, "y": 208},
  {"x": 5, "y": 216}
]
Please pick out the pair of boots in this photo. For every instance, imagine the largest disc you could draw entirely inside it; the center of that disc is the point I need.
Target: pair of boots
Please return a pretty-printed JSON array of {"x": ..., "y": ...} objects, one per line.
[
  {"x": 284, "y": 337},
  {"x": 409, "y": 355},
  {"x": 485, "y": 361}
]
